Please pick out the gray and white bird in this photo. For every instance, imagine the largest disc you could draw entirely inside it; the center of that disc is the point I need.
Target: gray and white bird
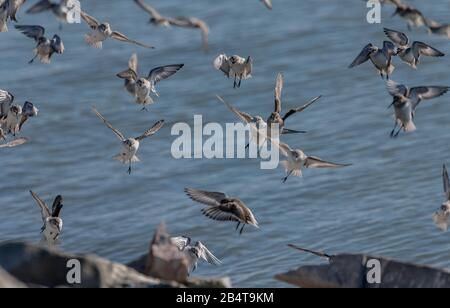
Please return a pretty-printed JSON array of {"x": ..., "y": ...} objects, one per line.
[
  {"x": 438, "y": 28},
  {"x": 410, "y": 53},
  {"x": 276, "y": 118},
  {"x": 235, "y": 67},
  {"x": 11, "y": 123},
  {"x": 130, "y": 83},
  {"x": 267, "y": 3},
  {"x": 8, "y": 11},
  {"x": 102, "y": 31},
  {"x": 6, "y": 100},
  {"x": 45, "y": 47},
  {"x": 62, "y": 10},
  {"x": 258, "y": 127},
  {"x": 144, "y": 86},
  {"x": 184, "y": 22},
  {"x": 413, "y": 16},
  {"x": 406, "y": 101},
  {"x": 17, "y": 115},
  {"x": 130, "y": 146},
  {"x": 297, "y": 160},
  {"x": 381, "y": 58},
  {"x": 441, "y": 217},
  {"x": 194, "y": 253},
  {"x": 53, "y": 224},
  {"x": 220, "y": 207}
]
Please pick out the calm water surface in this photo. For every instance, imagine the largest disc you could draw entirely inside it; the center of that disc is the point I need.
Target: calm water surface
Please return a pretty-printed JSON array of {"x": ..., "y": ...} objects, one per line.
[{"x": 381, "y": 205}]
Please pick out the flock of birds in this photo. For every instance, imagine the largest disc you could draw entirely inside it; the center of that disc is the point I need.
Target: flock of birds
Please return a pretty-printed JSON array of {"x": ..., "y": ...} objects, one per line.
[{"x": 218, "y": 206}]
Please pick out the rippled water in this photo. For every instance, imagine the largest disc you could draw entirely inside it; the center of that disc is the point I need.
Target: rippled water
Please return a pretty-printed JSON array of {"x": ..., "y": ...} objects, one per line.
[{"x": 381, "y": 205}]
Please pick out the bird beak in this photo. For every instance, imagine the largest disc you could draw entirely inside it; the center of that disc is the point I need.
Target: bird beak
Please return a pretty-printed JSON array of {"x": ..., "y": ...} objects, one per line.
[{"x": 390, "y": 105}]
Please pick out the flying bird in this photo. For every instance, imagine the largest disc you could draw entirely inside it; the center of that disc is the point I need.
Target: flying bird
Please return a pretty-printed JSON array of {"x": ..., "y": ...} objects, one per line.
[
  {"x": 6, "y": 100},
  {"x": 53, "y": 224},
  {"x": 130, "y": 146},
  {"x": 297, "y": 160},
  {"x": 413, "y": 16},
  {"x": 276, "y": 118},
  {"x": 438, "y": 28},
  {"x": 11, "y": 123},
  {"x": 130, "y": 83},
  {"x": 144, "y": 86},
  {"x": 184, "y": 22},
  {"x": 13, "y": 117},
  {"x": 441, "y": 217},
  {"x": 195, "y": 253},
  {"x": 406, "y": 101},
  {"x": 220, "y": 207},
  {"x": 235, "y": 67},
  {"x": 45, "y": 47},
  {"x": 410, "y": 54},
  {"x": 62, "y": 10},
  {"x": 381, "y": 58},
  {"x": 8, "y": 11},
  {"x": 13, "y": 143},
  {"x": 103, "y": 31}
]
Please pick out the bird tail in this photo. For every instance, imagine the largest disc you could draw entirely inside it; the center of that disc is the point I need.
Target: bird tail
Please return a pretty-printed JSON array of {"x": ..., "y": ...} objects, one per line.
[{"x": 91, "y": 40}]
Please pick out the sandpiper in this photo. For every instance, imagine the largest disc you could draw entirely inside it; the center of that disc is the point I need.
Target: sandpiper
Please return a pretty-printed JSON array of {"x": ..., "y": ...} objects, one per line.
[
  {"x": 6, "y": 100},
  {"x": 53, "y": 224},
  {"x": 413, "y": 16},
  {"x": 61, "y": 10},
  {"x": 8, "y": 11},
  {"x": 220, "y": 207},
  {"x": 297, "y": 160},
  {"x": 144, "y": 86},
  {"x": 155, "y": 17},
  {"x": 438, "y": 28},
  {"x": 441, "y": 217},
  {"x": 130, "y": 146},
  {"x": 195, "y": 253},
  {"x": 103, "y": 31},
  {"x": 45, "y": 47},
  {"x": 276, "y": 118},
  {"x": 410, "y": 54},
  {"x": 381, "y": 58},
  {"x": 406, "y": 101},
  {"x": 235, "y": 67}
]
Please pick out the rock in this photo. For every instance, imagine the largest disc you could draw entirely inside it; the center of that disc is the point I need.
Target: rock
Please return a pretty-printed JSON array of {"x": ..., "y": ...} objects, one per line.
[
  {"x": 209, "y": 283},
  {"x": 9, "y": 282},
  {"x": 42, "y": 266},
  {"x": 165, "y": 260},
  {"x": 350, "y": 271}
]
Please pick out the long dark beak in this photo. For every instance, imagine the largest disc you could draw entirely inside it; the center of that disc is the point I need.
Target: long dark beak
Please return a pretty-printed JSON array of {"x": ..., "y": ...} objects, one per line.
[{"x": 391, "y": 105}]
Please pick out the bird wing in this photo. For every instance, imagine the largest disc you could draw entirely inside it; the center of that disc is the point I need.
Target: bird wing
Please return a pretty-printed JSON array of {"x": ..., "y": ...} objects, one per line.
[
  {"x": 39, "y": 7},
  {"x": 207, "y": 255},
  {"x": 57, "y": 44},
  {"x": 163, "y": 72},
  {"x": 115, "y": 131},
  {"x": 364, "y": 56},
  {"x": 14, "y": 143},
  {"x": 128, "y": 74},
  {"x": 284, "y": 148},
  {"x": 429, "y": 92},
  {"x": 245, "y": 117},
  {"x": 133, "y": 63},
  {"x": 205, "y": 197},
  {"x": 396, "y": 89},
  {"x": 151, "y": 131},
  {"x": 204, "y": 29},
  {"x": 399, "y": 38},
  {"x": 6, "y": 99},
  {"x": 420, "y": 48},
  {"x": 149, "y": 9},
  {"x": 314, "y": 162},
  {"x": 278, "y": 90},
  {"x": 221, "y": 63},
  {"x": 181, "y": 242},
  {"x": 16, "y": 4},
  {"x": 91, "y": 21},
  {"x": 121, "y": 37},
  {"x": 57, "y": 206},
  {"x": 302, "y": 108},
  {"x": 34, "y": 32},
  {"x": 45, "y": 212},
  {"x": 446, "y": 183},
  {"x": 267, "y": 3}
]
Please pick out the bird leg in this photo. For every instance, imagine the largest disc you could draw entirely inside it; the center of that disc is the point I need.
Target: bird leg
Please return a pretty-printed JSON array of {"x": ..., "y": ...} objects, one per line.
[
  {"x": 240, "y": 80},
  {"x": 287, "y": 177},
  {"x": 242, "y": 229},
  {"x": 393, "y": 131},
  {"x": 32, "y": 60},
  {"x": 238, "y": 225},
  {"x": 235, "y": 82},
  {"x": 129, "y": 169},
  {"x": 144, "y": 109}
]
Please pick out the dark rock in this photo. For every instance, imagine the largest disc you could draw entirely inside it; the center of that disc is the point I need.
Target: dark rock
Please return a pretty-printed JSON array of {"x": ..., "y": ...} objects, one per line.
[{"x": 350, "y": 271}]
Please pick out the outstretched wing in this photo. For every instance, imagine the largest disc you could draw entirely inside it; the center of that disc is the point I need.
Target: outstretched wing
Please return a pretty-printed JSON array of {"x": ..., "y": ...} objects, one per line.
[
  {"x": 446, "y": 183},
  {"x": 121, "y": 37},
  {"x": 149, "y": 9},
  {"x": 91, "y": 21},
  {"x": 396, "y": 89},
  {"x": 181, "y": 242},
  {"x": 45, "y": 212},
  {"x": 6, "y": 99},
  {"x": 152, "y": 130},
  {"x": 14, "y": 143},
  {"x": 278, "y": 90},
  {"x": 425, "y": 93},
  {"x": 133, "y": 63},
  {"x": 245, "y": 117},
  {"x": 302, "y": 108},
  {"x": 129, "y": 74},
  {"x": 314, "y": 162},
  {"x": 420, "y": 48},
  {"x": 399, "y": 38},
  {"x": 207, "y": 255},
  {"x": 34, "y": 32},
  {"x": 115, "y": 131},
  {"x": 364, "y": 56},
  {"x": 221, "y": 63},
  {"x": 39, "y": 7},
  {"x": 163, "y": 72},
  {"x": 205, "y": 197}
]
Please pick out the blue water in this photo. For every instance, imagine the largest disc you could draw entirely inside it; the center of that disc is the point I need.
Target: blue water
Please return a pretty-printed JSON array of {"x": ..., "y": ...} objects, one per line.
[{"x": 381, "y": 205}]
